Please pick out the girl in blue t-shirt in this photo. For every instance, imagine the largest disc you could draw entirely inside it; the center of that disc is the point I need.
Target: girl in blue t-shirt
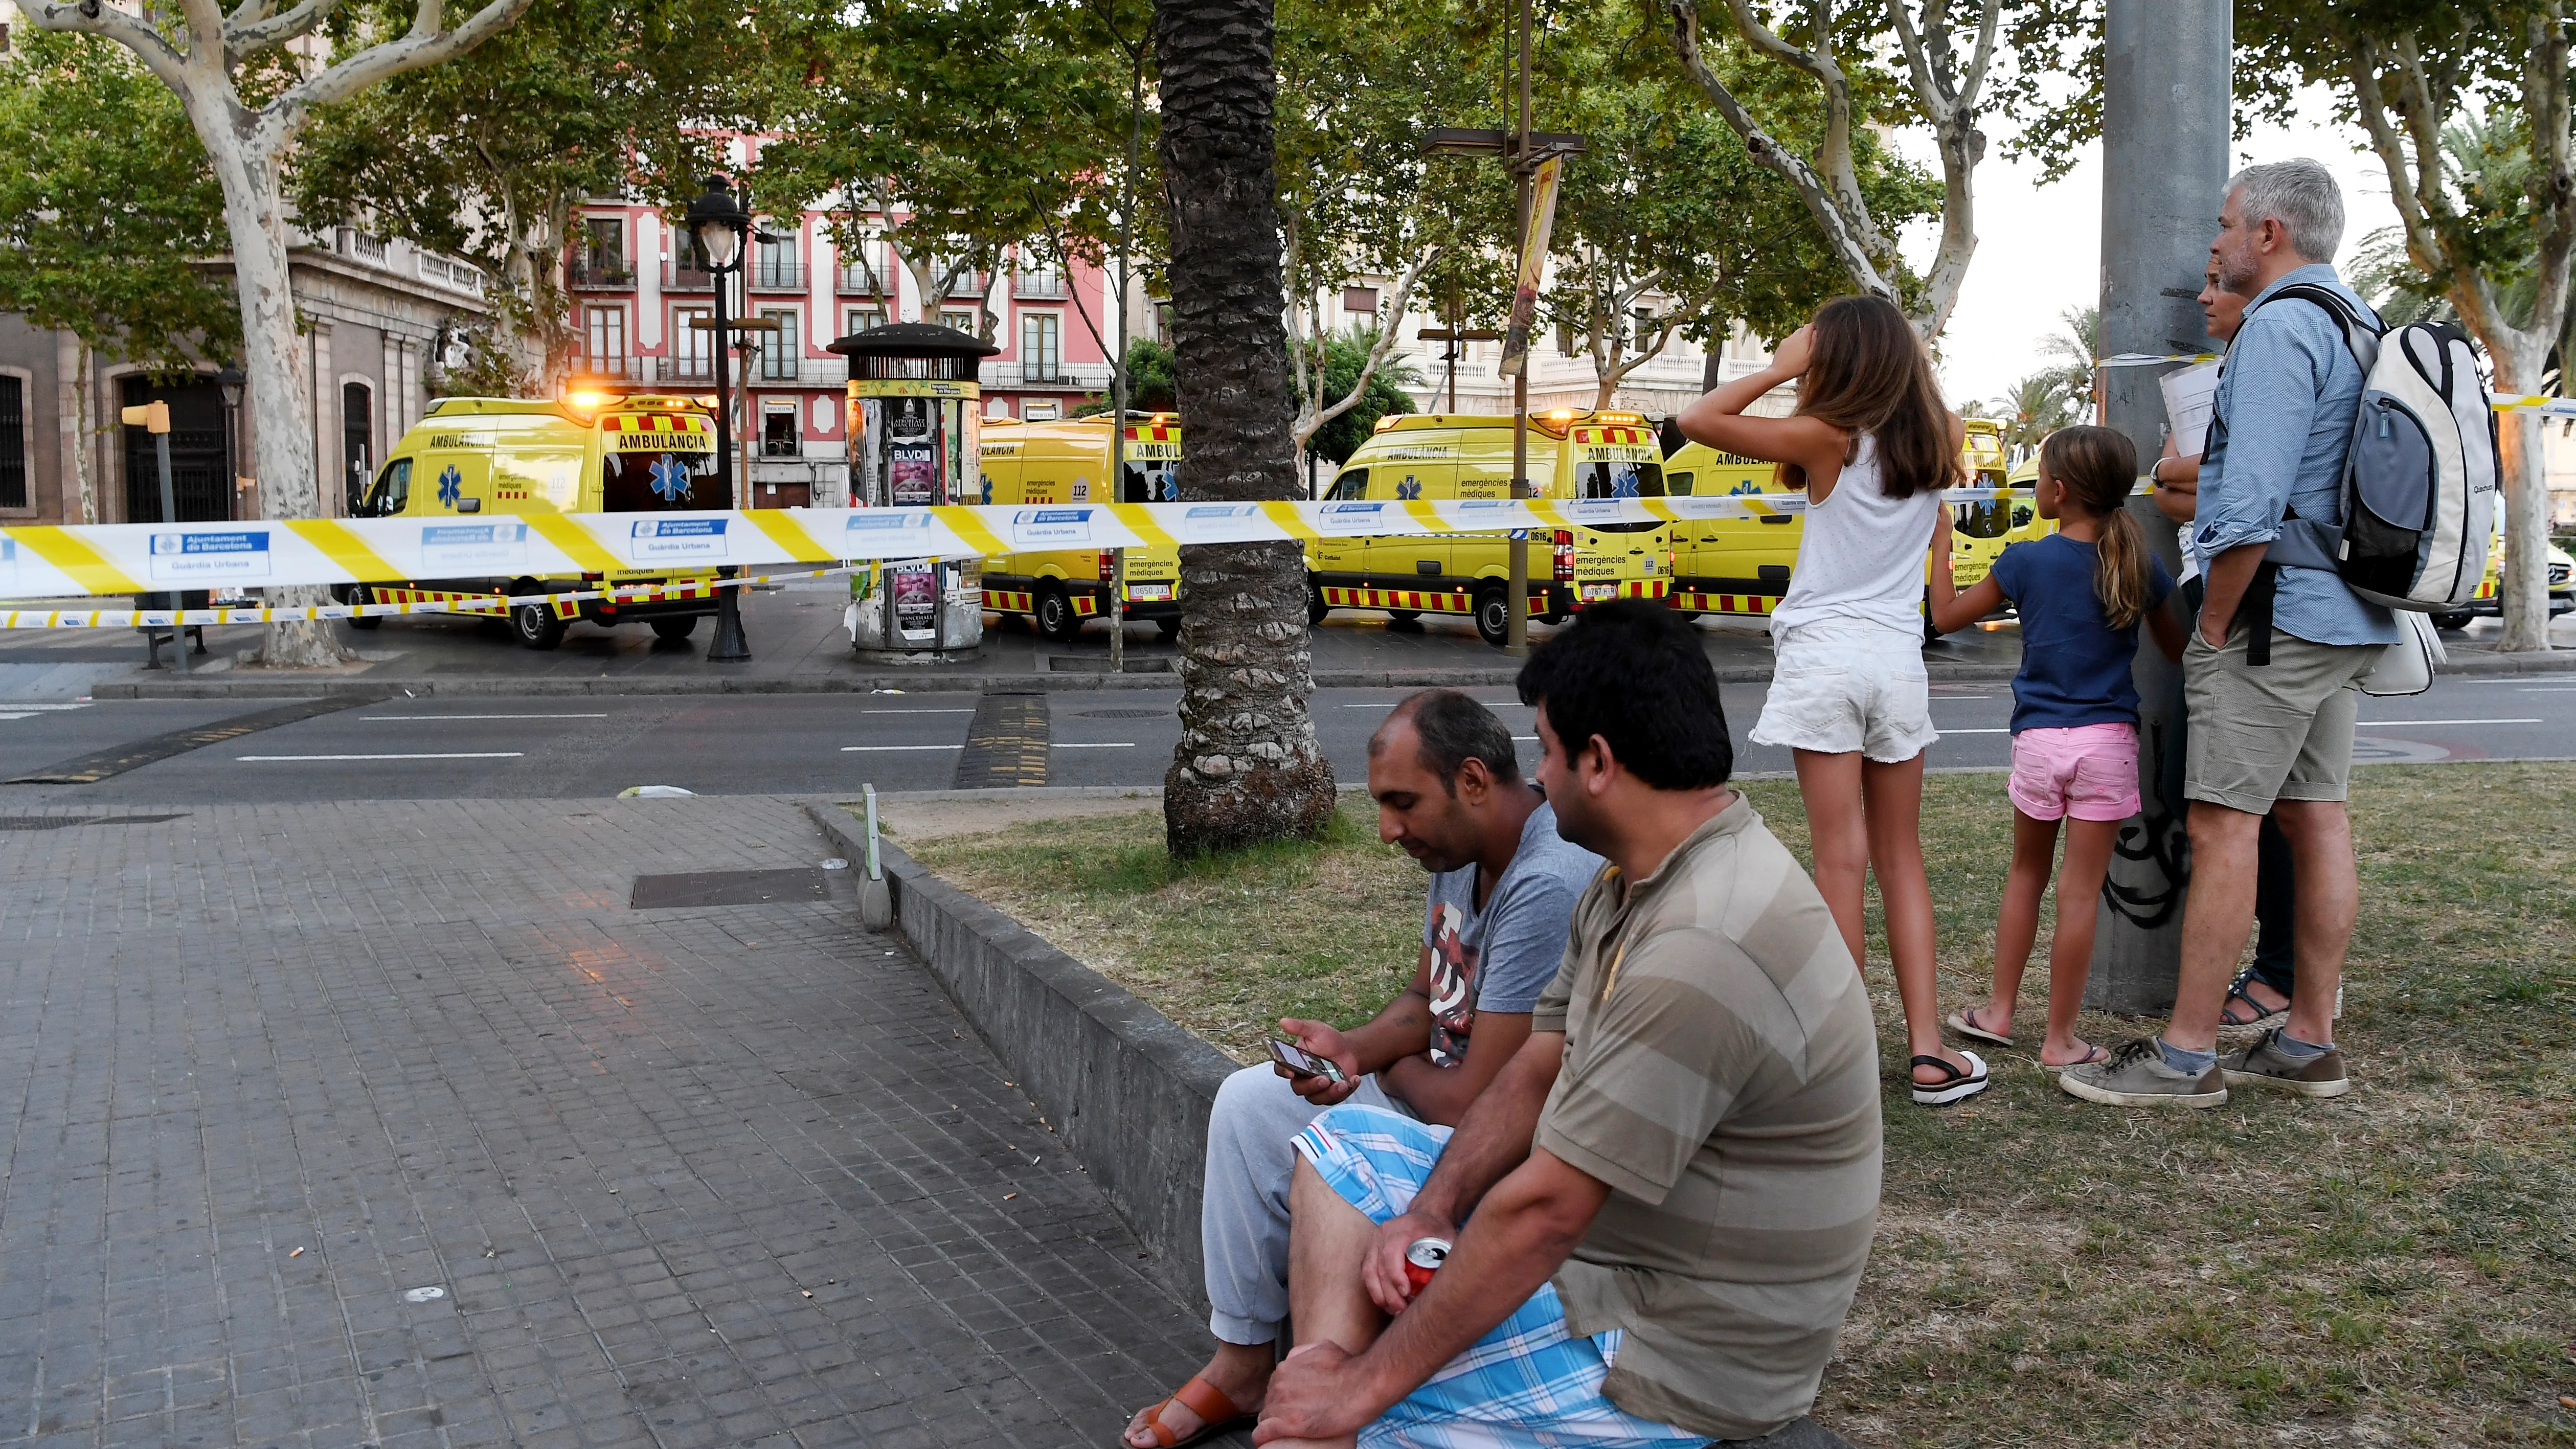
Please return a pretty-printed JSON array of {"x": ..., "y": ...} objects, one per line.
[{"x": 2081, "y": 593}]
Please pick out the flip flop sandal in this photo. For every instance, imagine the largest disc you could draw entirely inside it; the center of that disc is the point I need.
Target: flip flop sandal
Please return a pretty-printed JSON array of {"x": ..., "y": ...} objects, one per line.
[
  {"x": 2099, "y": 1054},
  {"x": 1217, "y": 1414},
  {"x": 1957, "y": 1087},
  {"x": 1964, "y": 1022},
  {"x": 2261, "y": 1020}
]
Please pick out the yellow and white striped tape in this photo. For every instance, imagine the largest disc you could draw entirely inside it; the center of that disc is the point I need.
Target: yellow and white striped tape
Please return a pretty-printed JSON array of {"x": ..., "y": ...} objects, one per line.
[
  {"x": 482, "y": 606},
  {"x": 134, "y": 558}
]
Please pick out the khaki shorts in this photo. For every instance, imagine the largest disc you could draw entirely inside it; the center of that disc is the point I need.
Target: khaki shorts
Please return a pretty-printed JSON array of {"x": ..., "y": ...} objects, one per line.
[{"x": 2278, "y": 731}]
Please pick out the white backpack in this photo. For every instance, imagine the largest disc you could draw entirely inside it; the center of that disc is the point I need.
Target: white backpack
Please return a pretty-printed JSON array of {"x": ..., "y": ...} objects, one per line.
[{"x": 2420, "y": 478}]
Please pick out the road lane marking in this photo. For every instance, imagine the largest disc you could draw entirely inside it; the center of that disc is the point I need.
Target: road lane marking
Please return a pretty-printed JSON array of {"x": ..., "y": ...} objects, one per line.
[
  {"x": 473, "y": 755},
  {"x": 1093, "y": 745},
  {"x": 478, "y": 716},
  {"x": 880, "y": 749}
]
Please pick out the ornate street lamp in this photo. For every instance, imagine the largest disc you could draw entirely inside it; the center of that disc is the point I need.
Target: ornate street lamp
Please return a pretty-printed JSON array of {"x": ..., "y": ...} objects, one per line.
[
  {"x": 719, "y": 224},
  {"x": 228, "y": 382}
]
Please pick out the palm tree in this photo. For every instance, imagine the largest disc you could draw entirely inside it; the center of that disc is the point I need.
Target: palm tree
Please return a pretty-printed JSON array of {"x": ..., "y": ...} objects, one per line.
[
  {"x": 1247, "y": 768},
  {"x": 2037, "y": 406},
  {"x": 2077, "y": 352}
]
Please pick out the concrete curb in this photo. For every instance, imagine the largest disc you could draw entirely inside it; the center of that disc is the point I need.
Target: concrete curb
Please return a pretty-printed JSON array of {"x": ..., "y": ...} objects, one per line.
[
  {"x": 1126, "y": 1089},
  {"x": 2462, "y": 661},
  {"x": 288, "y": 687}
]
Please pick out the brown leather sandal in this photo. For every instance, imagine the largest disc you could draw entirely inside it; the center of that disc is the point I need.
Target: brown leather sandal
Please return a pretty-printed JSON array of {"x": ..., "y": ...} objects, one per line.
[{"x": 1217, "y": 1414}]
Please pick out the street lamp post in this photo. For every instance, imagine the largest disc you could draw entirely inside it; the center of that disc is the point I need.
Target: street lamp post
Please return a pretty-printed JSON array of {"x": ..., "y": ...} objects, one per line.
[
  {"x": 719, "y": 223},
  {"x": 229, "y": 382}
]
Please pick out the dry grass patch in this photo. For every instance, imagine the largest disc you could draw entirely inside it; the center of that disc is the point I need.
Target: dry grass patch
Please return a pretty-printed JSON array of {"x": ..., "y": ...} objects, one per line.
[{"x": 2397, "y": 1266}]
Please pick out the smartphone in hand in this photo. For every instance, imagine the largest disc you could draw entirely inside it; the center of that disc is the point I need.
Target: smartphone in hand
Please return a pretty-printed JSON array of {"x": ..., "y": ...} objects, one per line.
[{"x": 1303, "y": 1062}]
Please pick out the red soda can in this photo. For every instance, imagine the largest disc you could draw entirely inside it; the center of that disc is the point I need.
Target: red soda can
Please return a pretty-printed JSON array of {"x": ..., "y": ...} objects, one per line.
[{"x": 1421, "y": 1261}]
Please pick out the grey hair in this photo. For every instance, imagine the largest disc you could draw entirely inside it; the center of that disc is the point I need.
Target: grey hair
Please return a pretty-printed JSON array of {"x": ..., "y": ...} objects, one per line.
[
  {"x": 2301, "y": 195},
  {"x": 1449, "y": 729}
]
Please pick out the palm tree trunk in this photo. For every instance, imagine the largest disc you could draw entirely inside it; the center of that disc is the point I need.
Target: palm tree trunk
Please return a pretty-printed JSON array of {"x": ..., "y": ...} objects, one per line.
[{"x": 1247, "y": 768}]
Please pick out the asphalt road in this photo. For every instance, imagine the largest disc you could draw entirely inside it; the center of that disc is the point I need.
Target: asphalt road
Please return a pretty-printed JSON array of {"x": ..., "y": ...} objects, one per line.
[{"x": 586, "y": 748}]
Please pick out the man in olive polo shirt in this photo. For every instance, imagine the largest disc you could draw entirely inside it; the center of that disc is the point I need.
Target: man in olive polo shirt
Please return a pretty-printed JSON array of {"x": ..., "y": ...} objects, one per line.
[{"x": 1673, "y": 1182}]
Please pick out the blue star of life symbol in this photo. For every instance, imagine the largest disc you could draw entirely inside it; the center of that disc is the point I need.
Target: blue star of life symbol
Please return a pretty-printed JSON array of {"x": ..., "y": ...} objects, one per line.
[
  {"x": 1625, "y": 485},
  {"x": 670, "y": 478},
  {"x": 1746, "y": 486},
  {"x": 451, "y": 486},
  {"x": 1410, "y": 488}
]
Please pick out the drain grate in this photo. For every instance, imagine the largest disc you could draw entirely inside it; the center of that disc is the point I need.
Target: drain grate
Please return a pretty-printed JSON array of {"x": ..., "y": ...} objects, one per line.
[
  {"x": 60, "y": 822},
  {"x": 730, "y": 888},
  {"x": 1130, "y": 714}
]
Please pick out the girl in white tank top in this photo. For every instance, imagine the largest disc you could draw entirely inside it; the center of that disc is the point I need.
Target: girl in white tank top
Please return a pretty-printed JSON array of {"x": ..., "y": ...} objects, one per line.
[
  {"x": 1848, "y": 695},
  {"x": 1860, "y": 552}
]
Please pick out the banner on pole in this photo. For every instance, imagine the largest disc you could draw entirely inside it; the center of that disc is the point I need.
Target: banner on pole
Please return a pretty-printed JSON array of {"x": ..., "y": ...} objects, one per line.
[{"x": 1516, "y": 337}]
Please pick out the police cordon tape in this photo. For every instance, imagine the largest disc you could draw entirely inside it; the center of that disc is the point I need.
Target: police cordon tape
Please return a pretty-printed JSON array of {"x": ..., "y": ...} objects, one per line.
[
  {"x": 488, "y": 606},
  {"x": 135, "y": 558}
]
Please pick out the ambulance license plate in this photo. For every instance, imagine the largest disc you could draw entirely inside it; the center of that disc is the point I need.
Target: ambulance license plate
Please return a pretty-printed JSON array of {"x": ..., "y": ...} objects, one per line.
[{"x": 1149, "y": 593}]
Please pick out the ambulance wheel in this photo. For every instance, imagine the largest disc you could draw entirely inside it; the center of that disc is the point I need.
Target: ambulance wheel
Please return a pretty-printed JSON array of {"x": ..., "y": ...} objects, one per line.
[
  {"x": 2458, "y": 620},
  {"x": 1055, "y": 617},
  {"x": 361, "y": 594},
  {"x": 1494, "y": 615},
  {"x": 1169, "y": 629},
  {"x": 536, "y": 626},
  {"x": 1316, "y": 608},
  {"x": 674, "y": 630}
]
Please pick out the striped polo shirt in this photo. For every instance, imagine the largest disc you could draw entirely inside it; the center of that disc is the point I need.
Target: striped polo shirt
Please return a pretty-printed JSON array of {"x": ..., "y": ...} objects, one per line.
[{"x": 1721, "y": 1075}]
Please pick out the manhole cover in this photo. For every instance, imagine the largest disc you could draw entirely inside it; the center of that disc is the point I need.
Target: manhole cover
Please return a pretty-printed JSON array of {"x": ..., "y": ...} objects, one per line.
[
  {"x": 1129, "y": 714},
  {"x": 730, "y": 888}
]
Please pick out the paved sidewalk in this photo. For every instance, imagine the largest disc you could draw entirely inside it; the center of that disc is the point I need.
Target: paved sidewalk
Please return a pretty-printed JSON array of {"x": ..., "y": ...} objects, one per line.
[{"x": 394, "y": 1125}]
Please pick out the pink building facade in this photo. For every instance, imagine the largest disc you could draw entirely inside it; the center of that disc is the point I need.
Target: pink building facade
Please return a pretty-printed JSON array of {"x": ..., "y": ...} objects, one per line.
[{"x": 636, "y": 293}]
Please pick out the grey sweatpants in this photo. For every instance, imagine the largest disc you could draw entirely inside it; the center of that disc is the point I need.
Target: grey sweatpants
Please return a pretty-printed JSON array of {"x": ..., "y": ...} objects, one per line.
[{"x": 1243, "y": 1213}]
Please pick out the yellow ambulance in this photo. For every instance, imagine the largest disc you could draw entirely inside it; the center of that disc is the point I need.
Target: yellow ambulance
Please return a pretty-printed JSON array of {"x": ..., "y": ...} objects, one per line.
[
  {"x": 1068, "y": 462},
  {"x": 1430, "y": 457},
  {"x": 502, "y": 467},
  {"x": 1741, "y": 565}
]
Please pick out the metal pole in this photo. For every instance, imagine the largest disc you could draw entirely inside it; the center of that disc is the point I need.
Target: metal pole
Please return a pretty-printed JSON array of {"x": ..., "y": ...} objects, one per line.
[
  {"x": 170, "y": 514},
  {"x": 729, "y": 646},
  {"x": 1516, "y": 630},
  {"x": 2165, "y": 116}
]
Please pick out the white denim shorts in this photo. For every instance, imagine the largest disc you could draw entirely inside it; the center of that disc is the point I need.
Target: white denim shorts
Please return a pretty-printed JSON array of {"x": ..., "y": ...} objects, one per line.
[{"x": 1842, "y": 685}]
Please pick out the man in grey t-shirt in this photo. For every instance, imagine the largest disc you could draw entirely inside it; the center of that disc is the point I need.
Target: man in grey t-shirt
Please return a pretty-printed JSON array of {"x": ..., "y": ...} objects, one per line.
[{"x": 1449, "y": 790}]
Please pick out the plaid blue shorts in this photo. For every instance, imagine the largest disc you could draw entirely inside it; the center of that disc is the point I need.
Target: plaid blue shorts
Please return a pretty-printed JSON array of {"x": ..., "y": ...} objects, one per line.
[{"x": 1528, "y": 1383}]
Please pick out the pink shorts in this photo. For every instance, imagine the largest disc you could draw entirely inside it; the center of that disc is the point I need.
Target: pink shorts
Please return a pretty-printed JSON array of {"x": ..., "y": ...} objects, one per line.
[{"x": 2089, "y": 772}]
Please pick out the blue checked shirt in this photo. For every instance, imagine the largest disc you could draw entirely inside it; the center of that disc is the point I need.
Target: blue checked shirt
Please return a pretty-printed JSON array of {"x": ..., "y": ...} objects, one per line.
[{"x": 2285, "y": 411}]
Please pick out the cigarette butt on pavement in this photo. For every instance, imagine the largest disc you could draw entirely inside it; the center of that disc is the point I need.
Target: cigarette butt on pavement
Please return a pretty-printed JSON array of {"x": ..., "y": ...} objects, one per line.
[
  {"x": 298, "y": 1253},
  {"x": 1006, "y": 1197}
]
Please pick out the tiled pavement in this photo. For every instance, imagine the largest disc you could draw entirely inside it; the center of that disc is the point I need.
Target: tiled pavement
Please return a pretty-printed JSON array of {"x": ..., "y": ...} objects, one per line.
[{"x": 706, "y": 1176}]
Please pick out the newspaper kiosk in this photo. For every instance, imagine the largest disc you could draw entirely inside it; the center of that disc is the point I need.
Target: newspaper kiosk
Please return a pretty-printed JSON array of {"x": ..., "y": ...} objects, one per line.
[{"x": 913, "y": 431}]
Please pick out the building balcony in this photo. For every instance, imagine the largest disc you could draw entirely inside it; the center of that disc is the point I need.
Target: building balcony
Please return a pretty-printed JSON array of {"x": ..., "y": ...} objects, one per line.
[
  {"x": 752, "y": 370},
  {"x": 858, "y": 279},
  {"x": 1061, "y": 376},
  {"x": 775, "y": 274},
  {"x": 1039, "y": 286},
  {"x": 600, "y": 272},
  {"x": 678, "y": 276}
]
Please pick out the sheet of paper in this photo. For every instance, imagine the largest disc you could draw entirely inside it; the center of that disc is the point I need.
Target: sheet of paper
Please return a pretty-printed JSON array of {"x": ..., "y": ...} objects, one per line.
[{"x": 2190, "y": 395}]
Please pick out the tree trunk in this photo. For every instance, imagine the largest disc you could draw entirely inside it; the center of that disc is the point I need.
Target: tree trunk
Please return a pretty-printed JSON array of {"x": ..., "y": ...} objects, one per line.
[
  {"x": 1247, "y": 768},
  {"x": 280, "y": 394},
  {"x": 2525, "y": 586},
  {"x": 84, "y": 433}
]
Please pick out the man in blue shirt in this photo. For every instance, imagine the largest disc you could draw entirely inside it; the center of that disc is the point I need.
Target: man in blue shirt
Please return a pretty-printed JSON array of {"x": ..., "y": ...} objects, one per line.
[{"x": 2274, "y": 736}]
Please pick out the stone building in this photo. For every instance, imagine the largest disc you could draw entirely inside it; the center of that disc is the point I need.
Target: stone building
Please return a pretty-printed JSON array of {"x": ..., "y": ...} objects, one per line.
[{"x": 379, "y": 313}]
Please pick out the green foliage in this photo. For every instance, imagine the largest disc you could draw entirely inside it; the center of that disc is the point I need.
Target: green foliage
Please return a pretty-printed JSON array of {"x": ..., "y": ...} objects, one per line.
[
  {"x": 107, "y": 208},
  {"x": 1667, "y": 200},
  {"x": 1344, "y": 356},
  {"x": 1152, "y": 373},
  {"x": 487, "y": 155},
  {"x": 987, "y": 123},
  {"x": 2036, "y": 406}
]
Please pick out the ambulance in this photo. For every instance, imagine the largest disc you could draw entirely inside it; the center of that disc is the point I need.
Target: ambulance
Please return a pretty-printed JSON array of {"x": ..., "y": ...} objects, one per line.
[
  {"x": 1741, "y": 565},
  {"x": 500, "y": 468},
  {"x": 1068, "y": 462},
  {"x": 1429, "y": 457}
]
